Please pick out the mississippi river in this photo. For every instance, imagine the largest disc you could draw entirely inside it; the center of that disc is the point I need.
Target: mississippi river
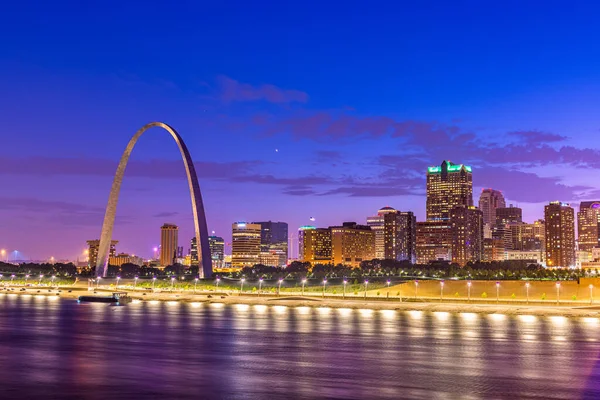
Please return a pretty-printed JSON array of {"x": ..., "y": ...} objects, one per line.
[{"x": 53, "y": 348}]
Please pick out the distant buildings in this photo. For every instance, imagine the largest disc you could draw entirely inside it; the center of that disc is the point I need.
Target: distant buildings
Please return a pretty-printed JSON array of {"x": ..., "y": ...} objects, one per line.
[
  {"x": 274, "y": 242},
  {"x": 560, "y": 235},
  {"x": 245, "y": 244},
  {"x": 433, "y": 241},
  {"x": 314, "y": 245},
  {"x": 123, "y": 258},
  {"x": 448, "y": 186},
  {"x": 400, "y": 231},
  {"x": 217, "y": 251},
  {"x": 93, "y": 251},
  {"x": 351, "y": 244},
  {"x": 169, "y": 250},
  {"x": 489, "y": 201},
  {"x": 467, "y": 235},
  {"x": 509, "y": 215},
  {"x": 377, "y": 225},
  {"x": 588, "y": 225}
]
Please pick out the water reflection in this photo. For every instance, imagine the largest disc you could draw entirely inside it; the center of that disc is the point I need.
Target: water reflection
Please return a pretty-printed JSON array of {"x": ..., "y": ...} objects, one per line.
[{"x": 195, "y": 350}]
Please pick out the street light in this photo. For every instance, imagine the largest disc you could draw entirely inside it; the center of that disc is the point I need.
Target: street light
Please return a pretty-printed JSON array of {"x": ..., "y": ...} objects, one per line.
[
  {"x": 195, "y": 284},
  {"x": 12, "y": 278},
  {"x": 279, "y": 287},
  {"x": 416, "y": 288},
  {"x": 153, "y": 280},
  {"x": 303, "y": 283},
  {"x": 40, "y": 281},
  {"x": 345, "y": 283},
  {"x": 172, "y": 282},
  {"x": 557, "y": 292},
  {"x": 388, "y": 285},
  {"x": 26, "y": 277},
  {"x": 497, "y": 291},
  {"x": 469, "y": 291},
  {"x": 591, "y": 293},
  {"x": 53, "y": 278},
  {"x": 135, "y": 278},
  {"x": 118, "y": 278},
  {"x": 527, "y": 291},
  {"x": 97, "y": 282},
  {"x": 242, "y": 285},
  {"x": 260, "y": 281},
  {"x": 324, "y": 283},
  {"x": 366, "y": 283},
  {"x": 442, "y": 290},
  {"x": 218, "y": 280}
]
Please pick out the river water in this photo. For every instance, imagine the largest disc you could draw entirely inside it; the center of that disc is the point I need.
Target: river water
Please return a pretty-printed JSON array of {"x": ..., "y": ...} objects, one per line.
[{"x": 53, "y": 348}]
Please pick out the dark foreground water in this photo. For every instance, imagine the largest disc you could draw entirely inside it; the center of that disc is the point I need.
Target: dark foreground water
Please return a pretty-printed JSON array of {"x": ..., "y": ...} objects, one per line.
[{"x": 51, "y": 348}]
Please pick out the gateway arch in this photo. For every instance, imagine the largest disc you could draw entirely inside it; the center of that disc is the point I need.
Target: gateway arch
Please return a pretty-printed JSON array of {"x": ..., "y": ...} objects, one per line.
[{"x": 201, "y": 230}]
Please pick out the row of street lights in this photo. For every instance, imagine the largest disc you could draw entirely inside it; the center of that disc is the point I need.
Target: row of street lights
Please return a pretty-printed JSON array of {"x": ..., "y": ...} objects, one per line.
[{"x": 27, "y": 276}]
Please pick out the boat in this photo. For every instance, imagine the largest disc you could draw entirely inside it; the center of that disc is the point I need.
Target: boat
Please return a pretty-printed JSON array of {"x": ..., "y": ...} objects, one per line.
[{"x": 117, "y": 298}]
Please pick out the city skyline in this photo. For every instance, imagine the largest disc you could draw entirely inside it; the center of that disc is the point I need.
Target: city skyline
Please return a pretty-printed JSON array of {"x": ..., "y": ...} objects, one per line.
[{"x": 314, "y": 133}]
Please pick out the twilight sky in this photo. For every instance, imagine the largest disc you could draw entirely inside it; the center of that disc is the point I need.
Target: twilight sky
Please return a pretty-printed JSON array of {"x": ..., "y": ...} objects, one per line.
[{"x": 291, "y": 109}]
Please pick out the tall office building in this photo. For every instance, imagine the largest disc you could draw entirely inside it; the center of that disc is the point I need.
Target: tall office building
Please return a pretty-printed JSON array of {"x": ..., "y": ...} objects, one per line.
[
  {"x": 467, "y": 235},
  {"x": 448, "y": 186},
  {"x": 509, "y": 215},
  {"x": 489, "y": 201},
  {"x": 560, "y": 235},
  {"x": 351, "y": 244},
  {"x": 217, "y": 251},
  {"x": 314, "y": 245},
  {"x": 376, "y": 224},
  {"x": 168, "y": 244},
  {"x": 529, "y": 237},
  {"x": 434, "y": 241},
  {"x": 194, "y": 252},
  {"x": 274, "y": 242},
  {"x": 93, "y": 251},
  {"x": 400, "y": 231},
  {"x": 245, "y": 244},
  {"x": 588, "y": 225}
]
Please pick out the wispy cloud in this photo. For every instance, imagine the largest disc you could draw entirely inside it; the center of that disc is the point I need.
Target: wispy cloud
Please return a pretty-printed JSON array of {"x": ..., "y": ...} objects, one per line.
[{"x": 232, "y": 90}]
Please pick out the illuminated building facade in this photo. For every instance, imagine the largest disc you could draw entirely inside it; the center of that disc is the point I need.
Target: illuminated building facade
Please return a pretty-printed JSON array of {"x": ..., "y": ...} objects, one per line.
[
  {"x": 169, "y": 234},
  {"x": 122, "y": 258},
  {"x": 245, "y": 244},
  {"x": 588, "y": 225},
  {"x": 448, "y": 186},
  {"x": 377, "y": 225},
  {"x": 529, "y": 237},
  {"x": 274, "y": 240},
  {"x": 433, "y": 241},
  {"x": 560, "y": 235},
  {"x": 217, "y": 251},
  {"x": 489, "y": 201},
  {"x": 351, "y": 244},
  {"x": 509, "y": 215},
  {"x": 93, "y": 246},
  {"x": 314, "y": 245},
  {"x": 400, "y": 231},
  {"x": 467, "y": 235}
]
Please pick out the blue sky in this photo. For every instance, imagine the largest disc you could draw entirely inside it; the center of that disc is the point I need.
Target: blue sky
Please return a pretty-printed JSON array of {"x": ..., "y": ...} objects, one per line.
[{"x": 290, "y": 109}]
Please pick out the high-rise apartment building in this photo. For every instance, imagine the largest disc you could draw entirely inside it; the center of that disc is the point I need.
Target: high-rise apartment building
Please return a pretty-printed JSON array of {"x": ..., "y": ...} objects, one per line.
[
  {"x": 529, "y": 237},
  {"x": 376, "y": 224},
  {"x": 560, "y": 235},
  {"x": 217, "y": 251},
  {"x": 467, "y": 235},
  {"x": 194, "y": 252},
  {"x": 434, "y": 241},
  {"x": 274, "y": 241},
  {"x": 489, "y": 201},
  {"x": 351, "y": 244},
  {"x": 245, "y": 244},
  {"x": 509, "y": 215},
  {"x": 400, "y": 231},
  {"x": 588, "y": 225},
  {"x": 314, "y": 245},
  {"x": 93, "y": 251},
  {"x": 448, "y": 186},
  {"x": 168, "y": 244}
]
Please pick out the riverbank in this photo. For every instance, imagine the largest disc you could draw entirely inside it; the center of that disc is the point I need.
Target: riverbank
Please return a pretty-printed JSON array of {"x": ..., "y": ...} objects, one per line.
[{"x": 566, "y": 310}]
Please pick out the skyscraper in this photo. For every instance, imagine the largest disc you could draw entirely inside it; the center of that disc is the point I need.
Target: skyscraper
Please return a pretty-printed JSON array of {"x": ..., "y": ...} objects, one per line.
[
  {"x": 377, "y": 225},
  {"x": 509, "y": 215},
  {"x": 489, "y": 201},
  {"x": 168, "y": 244},
  {"x": 194, "y": 252},
  {"x": 529, "y": 237},
  {"x": 448, "y": 186},
  {"x": 400, "y": 231},
  {"x": 217, "y": 251},
  {"x": 274, "y": 241},
  {"x": 434, "y": 241},
  {"x": 560, "y": 234},
  {"x": 93, "y": 251},
  {"x": 245, "y": 244},
  {"x": 588, "y": 225},
  {"x": 351, "y": 244},
  {"x": 314, "y": 245},
  {"x": 467, "y": 235}
]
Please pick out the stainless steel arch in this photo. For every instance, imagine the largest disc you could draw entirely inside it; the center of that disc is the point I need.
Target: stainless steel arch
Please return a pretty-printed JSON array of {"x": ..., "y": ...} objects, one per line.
[{"x": 197, "y": 205}]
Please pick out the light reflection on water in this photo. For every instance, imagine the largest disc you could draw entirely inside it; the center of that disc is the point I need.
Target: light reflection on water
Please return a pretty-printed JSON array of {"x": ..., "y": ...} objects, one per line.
[{"x": 55, "y": 348}]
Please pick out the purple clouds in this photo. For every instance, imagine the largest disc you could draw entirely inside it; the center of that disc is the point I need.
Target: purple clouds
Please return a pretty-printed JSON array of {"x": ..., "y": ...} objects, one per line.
[{"x": 232, "y": 91}]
